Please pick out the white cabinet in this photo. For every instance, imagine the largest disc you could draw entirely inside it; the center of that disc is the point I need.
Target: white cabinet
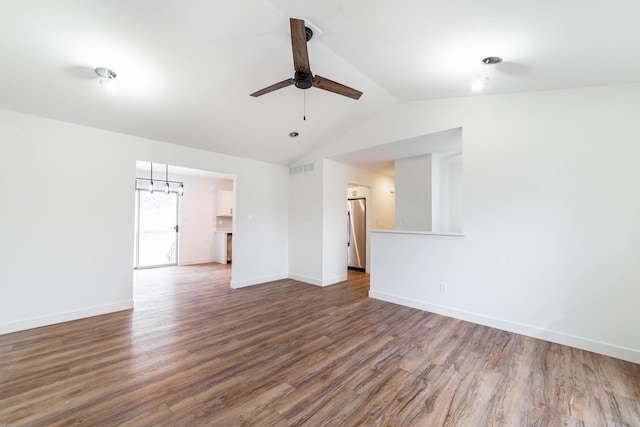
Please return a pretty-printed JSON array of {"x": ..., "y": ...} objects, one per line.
[{"x": 225, "y": 203}]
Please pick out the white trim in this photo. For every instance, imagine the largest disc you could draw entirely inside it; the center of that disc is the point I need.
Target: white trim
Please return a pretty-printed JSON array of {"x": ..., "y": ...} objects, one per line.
[
  {"x": 235, "y": 284},
  {"x": 334, "y": 280},
  {"x": 319, "y": 282},
  {"x": 36, "y": 322},
  {"x": 305, "y": 279},
  {"x": 600, "y": 347},
  {"x": 421, "y": 233}
]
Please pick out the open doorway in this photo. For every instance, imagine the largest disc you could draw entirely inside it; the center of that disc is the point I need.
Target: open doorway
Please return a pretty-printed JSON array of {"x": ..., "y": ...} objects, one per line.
[
  {"x": 358, "y": 220},
  {"x": 356, "y": 234},
  {"x": 182, "y": 226}
]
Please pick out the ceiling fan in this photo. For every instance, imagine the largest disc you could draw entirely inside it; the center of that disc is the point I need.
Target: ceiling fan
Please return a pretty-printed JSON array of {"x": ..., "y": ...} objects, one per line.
[{"x": 303, "y": 78}]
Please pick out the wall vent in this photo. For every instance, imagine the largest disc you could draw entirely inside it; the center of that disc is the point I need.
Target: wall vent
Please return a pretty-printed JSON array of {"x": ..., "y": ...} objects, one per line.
[{"x": 295, "y": 170}]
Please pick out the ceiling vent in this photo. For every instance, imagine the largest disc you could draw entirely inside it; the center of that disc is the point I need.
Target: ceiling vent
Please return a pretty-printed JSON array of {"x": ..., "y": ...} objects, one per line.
[{"x": 295, "y": 170}]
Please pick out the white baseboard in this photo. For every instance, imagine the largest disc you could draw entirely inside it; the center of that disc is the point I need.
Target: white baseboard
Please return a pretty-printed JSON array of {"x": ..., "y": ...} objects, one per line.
[
  {"x": 235, "y": 284},
  {"x": 319, "y": 282},
  {"x": 36, "y": 322},
  {"x": 335, "y": 279},
  {"x": 305, "y": 279},
  {"x": 599, "y": 347}
]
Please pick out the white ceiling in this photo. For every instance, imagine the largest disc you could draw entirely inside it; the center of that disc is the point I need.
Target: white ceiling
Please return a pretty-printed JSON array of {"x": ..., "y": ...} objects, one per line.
[{"x": 186, "y": 69}]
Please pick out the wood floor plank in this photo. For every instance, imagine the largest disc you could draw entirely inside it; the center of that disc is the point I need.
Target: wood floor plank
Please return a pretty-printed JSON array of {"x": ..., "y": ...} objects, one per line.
[
  {"x": 376, "y": 397},
  {"x": 196, "y": 352},
  {"x": 240, "y": 413},
  {"x": 155, "y": 416}
]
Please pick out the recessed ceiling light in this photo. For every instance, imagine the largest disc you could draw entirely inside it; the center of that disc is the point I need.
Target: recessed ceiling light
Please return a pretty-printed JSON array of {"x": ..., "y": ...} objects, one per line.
[
  {"x": 481, "y": 83},
  {"x": 492, "y": 60},
  {"x": 106, "y": 75},
  {"x": 293, "y": 134}
]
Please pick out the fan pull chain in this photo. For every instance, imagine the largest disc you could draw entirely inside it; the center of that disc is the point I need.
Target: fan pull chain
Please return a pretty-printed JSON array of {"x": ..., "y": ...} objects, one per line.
[{"x": 304, "y": 105}]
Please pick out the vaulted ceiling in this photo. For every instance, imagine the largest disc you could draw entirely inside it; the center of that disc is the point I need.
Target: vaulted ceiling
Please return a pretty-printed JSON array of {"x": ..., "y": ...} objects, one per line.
[{"x": 186, "y": 68}]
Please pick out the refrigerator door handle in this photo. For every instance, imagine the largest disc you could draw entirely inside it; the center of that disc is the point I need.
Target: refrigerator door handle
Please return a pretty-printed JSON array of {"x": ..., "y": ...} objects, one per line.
[{"x": 348, "y": 229}]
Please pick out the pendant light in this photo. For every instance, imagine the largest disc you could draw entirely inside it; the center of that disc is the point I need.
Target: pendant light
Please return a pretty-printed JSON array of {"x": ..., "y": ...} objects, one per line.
[{"x": 167, "y": 184}]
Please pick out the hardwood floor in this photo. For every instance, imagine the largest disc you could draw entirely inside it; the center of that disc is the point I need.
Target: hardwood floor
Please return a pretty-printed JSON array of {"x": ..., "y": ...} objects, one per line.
[{"x": 195, "y": 352}]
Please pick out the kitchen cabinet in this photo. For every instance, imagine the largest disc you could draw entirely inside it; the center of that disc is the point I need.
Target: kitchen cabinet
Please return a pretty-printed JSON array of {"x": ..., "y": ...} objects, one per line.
[{"x": 225, "y": 203}]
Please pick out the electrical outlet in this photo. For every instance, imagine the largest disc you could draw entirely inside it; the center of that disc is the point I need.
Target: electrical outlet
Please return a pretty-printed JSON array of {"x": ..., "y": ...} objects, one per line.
[{"x": 443, "y": 288}]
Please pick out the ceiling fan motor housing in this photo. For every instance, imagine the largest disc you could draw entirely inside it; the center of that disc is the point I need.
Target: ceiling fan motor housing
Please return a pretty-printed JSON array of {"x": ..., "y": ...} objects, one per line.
[{"x": 303, "y": 80}]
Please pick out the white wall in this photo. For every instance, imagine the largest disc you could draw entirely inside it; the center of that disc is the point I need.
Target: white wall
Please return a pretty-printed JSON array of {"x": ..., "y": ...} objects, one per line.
[
  {"x": 334, "y": 222},
  {"x": 305, "y": 226},
  {"x": 550, "y": 211},
  {"x": 198, "y": 208},
  {"x": 429, "y": 194},
  {"x": 413, "y": 193},
  {"x": 447, "y": 195},
  {"x": 68, "y": 207}
]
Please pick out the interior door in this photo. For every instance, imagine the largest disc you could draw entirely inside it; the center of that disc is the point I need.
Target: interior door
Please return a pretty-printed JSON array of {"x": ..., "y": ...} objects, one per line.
[{"x": 156, "y": 229}]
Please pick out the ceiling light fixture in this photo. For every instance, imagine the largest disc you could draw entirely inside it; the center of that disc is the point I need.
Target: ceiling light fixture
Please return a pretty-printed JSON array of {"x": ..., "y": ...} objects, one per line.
[
  {"x": 106, "y": 75},
  {"x": 167, "y": 183},
  {"x": 489, "y": 60},
  {"x": 293, "y": 134},
  {"x": 483, "y": 81}
]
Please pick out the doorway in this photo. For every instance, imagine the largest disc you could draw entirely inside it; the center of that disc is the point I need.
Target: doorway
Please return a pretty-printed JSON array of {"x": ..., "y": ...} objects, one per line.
[
  {"x": 156, "y": 229},
  {"x": 356, "y": 234},
  {"x": 358, "y": 224}
]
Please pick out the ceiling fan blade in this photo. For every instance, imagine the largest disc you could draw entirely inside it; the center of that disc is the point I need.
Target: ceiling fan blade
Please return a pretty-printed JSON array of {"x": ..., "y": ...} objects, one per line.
[
  {"x": 299, "y": 46},
  {"x": 335, "y": 87},
  {"x": 273, "y": 87}
]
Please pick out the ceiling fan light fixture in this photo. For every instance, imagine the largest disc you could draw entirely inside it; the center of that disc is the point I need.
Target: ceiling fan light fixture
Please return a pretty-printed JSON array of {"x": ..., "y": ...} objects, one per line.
[{"x": 293, "y": 134}]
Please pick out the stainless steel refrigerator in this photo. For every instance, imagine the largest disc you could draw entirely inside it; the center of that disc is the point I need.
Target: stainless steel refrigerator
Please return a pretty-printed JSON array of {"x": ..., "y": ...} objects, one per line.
[{"x": 356, "y": 234}]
